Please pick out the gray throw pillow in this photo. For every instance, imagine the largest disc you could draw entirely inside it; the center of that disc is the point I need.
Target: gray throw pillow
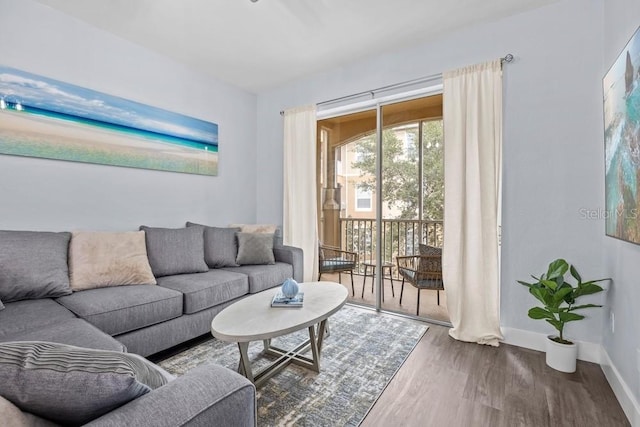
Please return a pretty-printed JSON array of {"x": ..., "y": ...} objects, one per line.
[
  {"x": 33, "y": 264},
  {"x": 175, "y": 250},
  {"x": 220, "y": 245},
  {"x": 255, "y": 248},
  {"x": 72, "y": 385}
]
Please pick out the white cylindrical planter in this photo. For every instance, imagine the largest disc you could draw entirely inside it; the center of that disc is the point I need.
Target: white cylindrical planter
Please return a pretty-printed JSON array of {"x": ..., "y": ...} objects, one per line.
[{"x": 561, "y": 357}]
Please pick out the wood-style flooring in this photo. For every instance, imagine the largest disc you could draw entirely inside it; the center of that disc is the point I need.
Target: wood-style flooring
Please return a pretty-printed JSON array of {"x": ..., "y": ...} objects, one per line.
[{"x": 449, "y": 383}]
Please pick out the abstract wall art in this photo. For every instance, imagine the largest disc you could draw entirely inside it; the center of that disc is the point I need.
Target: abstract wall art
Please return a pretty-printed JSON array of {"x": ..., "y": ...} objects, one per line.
[
  {"x": 46, "y": 118},
  {"x": 621, "y": 87}
]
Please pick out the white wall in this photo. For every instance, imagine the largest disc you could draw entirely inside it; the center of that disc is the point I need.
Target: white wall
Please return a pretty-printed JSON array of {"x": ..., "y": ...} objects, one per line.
[
  {"x": 56, "y": 195},
  {"x": 553, "y": 149},
  {"x": 621, "y": 259}
]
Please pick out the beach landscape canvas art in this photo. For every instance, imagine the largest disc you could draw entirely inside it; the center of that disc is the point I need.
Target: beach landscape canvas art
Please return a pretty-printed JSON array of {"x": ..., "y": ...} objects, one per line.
[
  {"x": 621, "y": 87},
  {"x": 46, "y": 118}
]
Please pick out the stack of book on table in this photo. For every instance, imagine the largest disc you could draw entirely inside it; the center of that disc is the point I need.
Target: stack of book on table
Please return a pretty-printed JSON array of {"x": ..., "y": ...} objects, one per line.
[{"x": 279, "y": 300}]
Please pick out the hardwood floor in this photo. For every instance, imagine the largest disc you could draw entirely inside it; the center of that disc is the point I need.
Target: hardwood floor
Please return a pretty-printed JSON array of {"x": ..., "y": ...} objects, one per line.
[{"x": 445, "y": 382}]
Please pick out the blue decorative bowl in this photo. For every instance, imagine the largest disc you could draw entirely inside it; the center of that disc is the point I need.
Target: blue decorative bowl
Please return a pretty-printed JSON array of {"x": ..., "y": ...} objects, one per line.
[{"x": 290, "y": 288}]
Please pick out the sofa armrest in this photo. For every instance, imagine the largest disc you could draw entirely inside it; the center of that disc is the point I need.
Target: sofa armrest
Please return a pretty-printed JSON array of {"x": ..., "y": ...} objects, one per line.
[
  {"x": 291, "y": 255},
  {"x": 205, "y": 396}
]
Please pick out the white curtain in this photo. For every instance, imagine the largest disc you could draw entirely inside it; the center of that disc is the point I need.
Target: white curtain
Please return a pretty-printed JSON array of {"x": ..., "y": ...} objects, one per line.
[
  {"x": 300, "y": 224},
  {"x": 472, "y": 201}
]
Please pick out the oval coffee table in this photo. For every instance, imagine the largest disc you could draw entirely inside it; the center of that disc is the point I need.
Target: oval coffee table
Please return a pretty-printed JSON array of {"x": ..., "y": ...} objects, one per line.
[{"x": 253, "y": 319}]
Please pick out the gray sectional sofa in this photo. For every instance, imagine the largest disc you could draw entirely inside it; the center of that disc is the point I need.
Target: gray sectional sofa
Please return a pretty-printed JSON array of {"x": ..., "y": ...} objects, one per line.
[{"x": 194, "y": 283}]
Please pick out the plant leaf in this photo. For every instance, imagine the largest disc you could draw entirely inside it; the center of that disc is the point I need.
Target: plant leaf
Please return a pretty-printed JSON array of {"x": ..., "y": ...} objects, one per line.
[
  {"x": 576, "y": 275},
  {"x": 540, "y": 313},
  {"x": 578, "y": 307},
  {"x": 549, "y": 284},
  {"x": 556, "y": 324},
  {"x": 557, "y": 268},
  {"x": 588, "y": 288},
  {"x": 561, "y": 293},
  {"x": 540, "y": 294},
  {"x": 570, "y": 317},
  {"x": 525, "y": 283},
  {"x": 570, "y": 298}
]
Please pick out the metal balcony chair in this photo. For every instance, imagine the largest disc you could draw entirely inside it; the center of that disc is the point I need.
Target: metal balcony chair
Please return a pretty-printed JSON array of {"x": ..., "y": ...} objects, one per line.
[
  {"x": 336, "y": 260},
  {"x": 422, "y": 271}
]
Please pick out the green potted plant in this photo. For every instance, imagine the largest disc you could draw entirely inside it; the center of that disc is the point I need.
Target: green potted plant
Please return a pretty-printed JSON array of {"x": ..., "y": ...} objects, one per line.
[{"x": 558, "y": 298}]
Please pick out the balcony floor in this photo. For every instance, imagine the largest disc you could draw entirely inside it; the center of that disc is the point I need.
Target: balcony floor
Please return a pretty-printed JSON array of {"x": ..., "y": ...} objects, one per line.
[{"x": 428, "y": 301}]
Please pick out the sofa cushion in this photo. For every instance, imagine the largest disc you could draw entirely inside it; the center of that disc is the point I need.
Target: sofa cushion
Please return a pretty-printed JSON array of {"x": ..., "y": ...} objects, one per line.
[
  {"x": 12, "y": 416},
  {"x": 100, "y": 259},
  {"x": 32, "y": 375},
  {"x": 204, "y": 290},
  {"x": 23, "y": 316},
  {"x": 263, "y": 277},
  {"x": 126, "y": 308},
  {"x": 1, "y": 305},
  {"x": 71, "y": 332},
  {"x": 33, "y": 265},
  {"x": 255, "y": 248},
  {"x": 220, "y": 245},
  {"x": 175, "y": 250}
]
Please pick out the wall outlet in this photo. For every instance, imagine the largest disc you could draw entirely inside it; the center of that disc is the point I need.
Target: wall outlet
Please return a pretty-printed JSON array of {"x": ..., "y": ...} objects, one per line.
[{"x": 612, "y": 322}]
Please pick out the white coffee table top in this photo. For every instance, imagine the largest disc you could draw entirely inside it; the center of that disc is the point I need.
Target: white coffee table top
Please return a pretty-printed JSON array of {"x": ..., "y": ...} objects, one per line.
[{"x": 253, "y": 318}]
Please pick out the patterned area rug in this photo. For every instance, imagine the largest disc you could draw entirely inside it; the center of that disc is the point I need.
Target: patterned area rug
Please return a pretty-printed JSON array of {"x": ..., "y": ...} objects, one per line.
[{"x": 359, "y": 357}]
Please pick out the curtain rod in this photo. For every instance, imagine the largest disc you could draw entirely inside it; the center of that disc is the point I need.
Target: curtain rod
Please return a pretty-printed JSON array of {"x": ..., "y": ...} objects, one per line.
[{"x": 507, "y": 58}]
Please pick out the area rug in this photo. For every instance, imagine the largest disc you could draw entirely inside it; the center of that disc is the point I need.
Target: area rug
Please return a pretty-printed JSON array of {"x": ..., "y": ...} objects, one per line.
[{"x": 359, "y": 357}]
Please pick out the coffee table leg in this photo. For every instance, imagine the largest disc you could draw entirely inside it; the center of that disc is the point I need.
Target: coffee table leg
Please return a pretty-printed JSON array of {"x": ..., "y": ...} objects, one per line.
[
  {"x": 321, "y": 331},
  {"x": 315, "y": 365},
  {"x": 244, "y": 360},
  {"x": 267, "y": 344}
]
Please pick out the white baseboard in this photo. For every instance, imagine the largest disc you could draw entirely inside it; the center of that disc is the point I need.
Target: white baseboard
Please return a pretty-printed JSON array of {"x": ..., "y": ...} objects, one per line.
[
  {"x": 587, "y": 351},
  {"x": 622, "y": 391}
]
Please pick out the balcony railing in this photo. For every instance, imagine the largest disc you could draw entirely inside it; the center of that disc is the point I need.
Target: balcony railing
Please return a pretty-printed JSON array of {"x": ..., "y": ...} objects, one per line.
[{"x": 399, "y": 237}]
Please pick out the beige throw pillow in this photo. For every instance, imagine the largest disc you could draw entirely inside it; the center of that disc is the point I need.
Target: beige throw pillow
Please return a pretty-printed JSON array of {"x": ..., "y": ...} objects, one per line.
[
  {"x": 101, "y": 259},
  {"x": 256, "y": 228}
]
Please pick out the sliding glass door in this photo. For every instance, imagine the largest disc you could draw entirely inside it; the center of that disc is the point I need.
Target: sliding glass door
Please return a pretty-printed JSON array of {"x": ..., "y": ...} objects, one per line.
[{"x": 381, "y": 194}]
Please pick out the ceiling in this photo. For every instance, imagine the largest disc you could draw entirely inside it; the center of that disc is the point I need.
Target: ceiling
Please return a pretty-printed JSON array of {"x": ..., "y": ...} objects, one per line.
[{"x": 261, "y": 45}]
